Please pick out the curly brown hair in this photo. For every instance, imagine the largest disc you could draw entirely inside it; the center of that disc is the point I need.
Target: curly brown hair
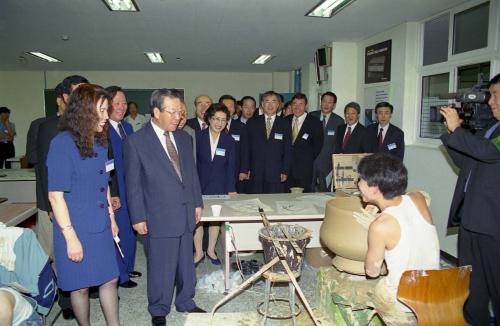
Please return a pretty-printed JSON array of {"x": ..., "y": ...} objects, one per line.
[{"x": 80, "y": 118}]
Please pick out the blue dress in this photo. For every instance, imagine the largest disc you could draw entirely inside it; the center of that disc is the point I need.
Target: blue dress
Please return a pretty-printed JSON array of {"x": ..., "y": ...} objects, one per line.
[{"x": 84, "y": 182}]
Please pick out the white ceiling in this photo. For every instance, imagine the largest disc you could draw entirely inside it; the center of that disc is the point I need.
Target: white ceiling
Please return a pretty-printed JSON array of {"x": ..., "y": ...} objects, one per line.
[{"x": 209, "y": 35}]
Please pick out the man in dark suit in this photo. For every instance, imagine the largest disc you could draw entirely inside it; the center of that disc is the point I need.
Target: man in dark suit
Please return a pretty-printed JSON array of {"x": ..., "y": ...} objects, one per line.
[
  {"x": 350, "y": 137},
  {"x": 201, "y": 104},
  {"x": 384, "y": 136},
  {"x": 248, "y": 108},
  {"x": 270, "y": 146},
  {"x": 307, "y": 141},
  {"x": 164, "y": 199},
  {"x": 476, "y": 206},
  {"x": 330, "y": 122},
  {"x": 47, "y": 130},
  {"x": 238, "y": 131}
]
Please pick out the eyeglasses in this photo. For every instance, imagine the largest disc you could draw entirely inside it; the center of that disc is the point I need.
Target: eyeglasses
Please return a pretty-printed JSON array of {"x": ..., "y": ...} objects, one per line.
[
  {"x": 223, "y": 121},
  {"x": 173, "y": 112}
]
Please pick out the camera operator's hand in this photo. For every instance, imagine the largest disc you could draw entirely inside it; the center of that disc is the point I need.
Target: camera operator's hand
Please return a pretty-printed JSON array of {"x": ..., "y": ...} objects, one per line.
[{"x": 450, "y": 114}]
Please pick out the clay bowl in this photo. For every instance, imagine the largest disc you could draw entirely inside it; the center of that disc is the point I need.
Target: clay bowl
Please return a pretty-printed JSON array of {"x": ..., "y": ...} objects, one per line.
[{"x": 345, "y": 237}]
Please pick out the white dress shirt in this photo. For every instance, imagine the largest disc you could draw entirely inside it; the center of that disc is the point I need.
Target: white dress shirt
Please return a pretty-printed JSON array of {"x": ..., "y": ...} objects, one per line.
[{"x": 161, "y": 136}]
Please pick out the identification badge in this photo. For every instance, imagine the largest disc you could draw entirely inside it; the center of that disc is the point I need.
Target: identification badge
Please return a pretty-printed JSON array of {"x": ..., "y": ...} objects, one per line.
[
  {"x": 110, "y": 165},
  {"x": 331, "y": 132},
  {"x": 220, "y": 151},
  {"x": 278, "y": 136},
  {"x": 391, "y": 146},
  {"x": 236, "y": 137},
  {"x": 305, "y": 136}
]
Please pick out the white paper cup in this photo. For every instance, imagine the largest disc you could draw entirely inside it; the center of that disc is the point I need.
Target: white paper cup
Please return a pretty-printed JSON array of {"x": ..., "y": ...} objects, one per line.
[
  {"x": 295, "y": 190},
  {"x": 216, "y": 210}
]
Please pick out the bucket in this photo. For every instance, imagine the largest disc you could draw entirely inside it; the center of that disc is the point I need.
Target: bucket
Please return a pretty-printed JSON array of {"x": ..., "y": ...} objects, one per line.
[{"x": 300, "y": 234}]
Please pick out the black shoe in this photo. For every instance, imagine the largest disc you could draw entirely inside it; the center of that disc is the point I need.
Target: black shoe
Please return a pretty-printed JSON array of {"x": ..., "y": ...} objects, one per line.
[
  {"x": 68, "y": 314},
  {"x": 129, "y": 284},
  {"x": 133, "y": 274},
  {"x": 194, "y": 310},
  {"x": 215, "y": 261},
  {"x": 199, "y": 261},
  {"x": 159, "y": 321}
]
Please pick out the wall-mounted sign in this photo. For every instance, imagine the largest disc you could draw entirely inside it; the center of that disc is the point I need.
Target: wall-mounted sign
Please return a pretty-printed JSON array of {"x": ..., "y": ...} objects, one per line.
[{"x": 378, "y": 62}]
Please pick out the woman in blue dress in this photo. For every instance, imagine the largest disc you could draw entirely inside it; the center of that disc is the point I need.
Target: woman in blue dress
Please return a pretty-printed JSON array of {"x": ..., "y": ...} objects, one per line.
[
  {"x": 84, "y": 225},
  {"x": 215, "y": 161}
]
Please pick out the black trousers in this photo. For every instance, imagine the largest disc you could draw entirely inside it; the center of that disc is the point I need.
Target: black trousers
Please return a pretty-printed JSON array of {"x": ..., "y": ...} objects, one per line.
[{"x": 481, "y": 251}]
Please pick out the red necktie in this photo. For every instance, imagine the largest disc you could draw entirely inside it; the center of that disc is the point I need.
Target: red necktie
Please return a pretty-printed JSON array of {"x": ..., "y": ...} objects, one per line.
[
  {"x": 346, "y": 137},
  {"x": 380, "y": 138},
  {"x": 203, "y": 126}
]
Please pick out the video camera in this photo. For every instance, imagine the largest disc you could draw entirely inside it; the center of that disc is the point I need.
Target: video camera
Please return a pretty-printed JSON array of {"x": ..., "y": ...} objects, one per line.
[{"x": 473, "y": 109}]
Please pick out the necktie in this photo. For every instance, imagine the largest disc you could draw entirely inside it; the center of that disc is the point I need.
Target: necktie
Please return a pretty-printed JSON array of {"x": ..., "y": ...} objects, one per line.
[
  {"x": 268, "y": 127},
  {"x": 324, "y": 121},
  {"x": 346, "y": 137},
  {"x": 121, "y": 130},
  {"x": 172, "y": 152},
  {"x": 295, "y": 129},
  {"x": 203, "y": 126},
  {"x": 380, "y": 138}
]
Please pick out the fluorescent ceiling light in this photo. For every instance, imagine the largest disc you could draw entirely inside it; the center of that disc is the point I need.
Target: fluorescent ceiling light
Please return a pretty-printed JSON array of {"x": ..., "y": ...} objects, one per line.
[
  {"x": 262, "y": 59},
  {"x": 121, "y": 5},
  {"x": 154, "y": 57},
  {"x": 328, "y": 8},
  {"x": 43, "y": 56}
]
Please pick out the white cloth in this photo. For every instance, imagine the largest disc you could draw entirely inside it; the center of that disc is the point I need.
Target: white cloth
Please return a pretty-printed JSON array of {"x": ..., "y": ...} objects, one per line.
[
  {"x": 161, "y": 136},
  {"x": 418, "y": 246},
  {"x": 384, "y": 130},
  {"x": 22, "y": 308},
  {"x": 273, "y": 117},
  {"x": 300, "y": 121},
  {"x": 8, "y": 238},
  {"x": 213, "y": 143},
  {"x": 352, "y": 128},
  {"x": 138, "y": 122}
]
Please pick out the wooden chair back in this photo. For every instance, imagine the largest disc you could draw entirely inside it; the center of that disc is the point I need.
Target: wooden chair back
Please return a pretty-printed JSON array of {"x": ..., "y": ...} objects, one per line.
[{"x": 436, "y": 297}]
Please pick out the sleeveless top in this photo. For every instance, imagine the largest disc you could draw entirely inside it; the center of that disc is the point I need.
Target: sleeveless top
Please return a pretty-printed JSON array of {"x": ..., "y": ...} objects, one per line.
[{"x": 418, "y": 246}]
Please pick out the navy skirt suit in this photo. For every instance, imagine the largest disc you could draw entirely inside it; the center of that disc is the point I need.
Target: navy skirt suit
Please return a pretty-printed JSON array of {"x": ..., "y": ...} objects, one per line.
[
  {"x": 84, "y": 182},
  {"x": 217, "y": 174}
]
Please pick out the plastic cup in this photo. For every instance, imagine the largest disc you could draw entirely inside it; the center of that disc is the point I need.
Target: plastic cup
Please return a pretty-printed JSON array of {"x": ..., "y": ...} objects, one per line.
[
  {"x": 296, "y": 190},
  {"x": 216, "y": 210}
]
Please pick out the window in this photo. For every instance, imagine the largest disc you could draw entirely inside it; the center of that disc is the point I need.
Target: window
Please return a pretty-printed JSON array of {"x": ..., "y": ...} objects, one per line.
[
  {"x": 436, "y": 40},
  {"x": 471, "y": 75},
  {"x": 430, "y": 119},
  {"x": 470, "y": 30}
]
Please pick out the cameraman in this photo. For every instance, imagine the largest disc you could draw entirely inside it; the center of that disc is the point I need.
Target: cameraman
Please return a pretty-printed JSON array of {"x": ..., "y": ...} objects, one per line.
[{"x": 476, "y": 205}]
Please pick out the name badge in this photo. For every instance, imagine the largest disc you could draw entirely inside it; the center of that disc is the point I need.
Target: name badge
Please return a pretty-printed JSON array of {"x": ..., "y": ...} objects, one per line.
[
  {"x": 278, "y": 136},
  {"x": 305, "y": 136},
  {"x": 391, "y": 146},
  {"x": 236, "y": 137},
  {"x": 220, "y": 151},
  {"x": 110, "y": 165},
  {"x": 331, "y": 132}
]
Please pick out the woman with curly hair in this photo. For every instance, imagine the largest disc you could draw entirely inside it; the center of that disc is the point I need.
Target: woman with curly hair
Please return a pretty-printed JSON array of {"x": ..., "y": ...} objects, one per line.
[{"x": 84, "y": 225}]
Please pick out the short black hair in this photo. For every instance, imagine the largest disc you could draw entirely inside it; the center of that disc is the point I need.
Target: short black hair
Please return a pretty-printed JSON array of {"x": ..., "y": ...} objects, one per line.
[
  {"x": 4, "y": 109},
  {"x": 227, "y": 97},
  {"x": 59, "y": 90},
  {"x": 494, "y": 80},
  {"x": 384, "y": 105},
  {"x": 299, "y": 96},
  {"x": 72, "y": 80},
  {"x": 353, "y": 105},
  {"x": 157, "y": 96},
  {"x": 213, "y": 109},
  {"x": 244, "y": 98},
  {"x": 329, "y": 94},
  {"x": 385, "y": 171}
]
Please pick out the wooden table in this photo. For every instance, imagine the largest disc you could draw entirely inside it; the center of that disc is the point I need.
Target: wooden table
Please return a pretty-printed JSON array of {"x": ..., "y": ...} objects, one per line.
[
  {"x": 11, "y": 214},
  {"x": 241, "y": 229}
]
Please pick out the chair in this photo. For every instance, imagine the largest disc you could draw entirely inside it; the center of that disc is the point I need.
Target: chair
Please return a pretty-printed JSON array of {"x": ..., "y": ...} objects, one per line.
[{"x": 436, "y": 297}]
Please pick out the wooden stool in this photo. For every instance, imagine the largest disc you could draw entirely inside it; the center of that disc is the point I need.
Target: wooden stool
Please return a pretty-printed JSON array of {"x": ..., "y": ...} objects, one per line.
[{"x": 279, "y": 278}]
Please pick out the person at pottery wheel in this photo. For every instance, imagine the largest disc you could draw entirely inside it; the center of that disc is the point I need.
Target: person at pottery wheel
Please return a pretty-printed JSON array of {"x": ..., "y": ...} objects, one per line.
[{"x": 402, "y": 234}]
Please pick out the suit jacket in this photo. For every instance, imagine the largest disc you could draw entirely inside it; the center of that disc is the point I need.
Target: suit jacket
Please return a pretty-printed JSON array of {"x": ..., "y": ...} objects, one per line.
[
  {"x": 31, "y": 148},
  {"x": 155, "y": 194},
  {"x": 323, "y": 162},
  {"x": 193, "y": 123},
  {"x": 217, "y": 175},
  {"x": 116, "y": 145},
  {"x": 269, "y": 158},
  {"x": 238, "y": 130},
  {"x": 191, "y": 133},
  {"x": 394, "y": 140},
  {"x": 478, "y": 159},
  {"x": 306, "y": 149},
  {"x": 356, "y": 143}
]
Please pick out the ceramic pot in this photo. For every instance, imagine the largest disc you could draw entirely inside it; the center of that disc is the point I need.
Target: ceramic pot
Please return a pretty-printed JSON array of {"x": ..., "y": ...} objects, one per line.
[{"x": 343, "y": 236}]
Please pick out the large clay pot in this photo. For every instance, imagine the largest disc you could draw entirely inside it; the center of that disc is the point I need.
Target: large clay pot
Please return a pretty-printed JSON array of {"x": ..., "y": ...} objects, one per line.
[{"x": 345, "y": 237}]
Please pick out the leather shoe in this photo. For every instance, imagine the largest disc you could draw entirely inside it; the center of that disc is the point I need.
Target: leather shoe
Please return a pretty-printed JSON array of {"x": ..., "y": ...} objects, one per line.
[
  {"x": 215, "y": 261},
  {"x": 68, "y": 314},
  {"x": 133, "y": 274},
  {"x": 199, "y": 261},
  {"x": 159, "y": 321},
  {"x": 129, "y": 284},
  {"x": 196, "y": 309}
]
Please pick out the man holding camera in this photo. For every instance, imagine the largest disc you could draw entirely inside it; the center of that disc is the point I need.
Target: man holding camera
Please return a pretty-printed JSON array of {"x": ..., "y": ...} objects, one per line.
[{"x": 476, "y": 205}]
